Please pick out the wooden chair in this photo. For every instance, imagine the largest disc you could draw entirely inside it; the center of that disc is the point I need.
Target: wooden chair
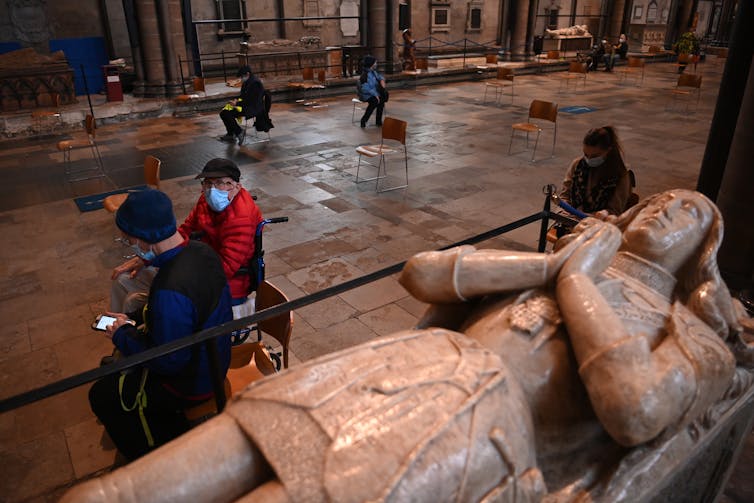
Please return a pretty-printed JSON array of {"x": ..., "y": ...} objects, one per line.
[
  {"x": 393, "y": 130},
  {"x": 151, "y": 178},
  {"x": 688, "y": 84},
  {"x": 540, "y": 111},
  {"x": 490, "y": 61},
  {"x": 576, "y": 70},
  {"x": 251, "y": 362},
  {"x": 199, "y": 91},
  {"x": 206, "y": 410},
  {"x": 278, "y": 327},
  {"x": 548, "y": 56},
  {"x": 309, "y": 85},
  {"x": 684, "y": 60},
  {"x": 504, "y": 79},
  {"x": 67, "y": 146},
  {"x": 634, "y": 66}
]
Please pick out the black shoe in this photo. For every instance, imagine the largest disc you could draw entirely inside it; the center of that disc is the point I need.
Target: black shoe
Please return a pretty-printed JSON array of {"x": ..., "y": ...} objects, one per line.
[
  {"x": 229, "y": 138},
  {"x": 379, "y": 123},
  {"x": 240, "y": 136},
  {"x": 363, "y": 123}
]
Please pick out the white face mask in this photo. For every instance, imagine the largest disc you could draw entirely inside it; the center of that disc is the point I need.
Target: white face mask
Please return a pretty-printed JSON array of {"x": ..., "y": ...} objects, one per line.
[
  {"x": 622, "y": 39},
  {"x": 594, "y": 161}
]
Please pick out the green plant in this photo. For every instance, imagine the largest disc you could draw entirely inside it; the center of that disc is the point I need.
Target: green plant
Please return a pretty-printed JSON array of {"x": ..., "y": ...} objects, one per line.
[{"x": 687, "y": 44}]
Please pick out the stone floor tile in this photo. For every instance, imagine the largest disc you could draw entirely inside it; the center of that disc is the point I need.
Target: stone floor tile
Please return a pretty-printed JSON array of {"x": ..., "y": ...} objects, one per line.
[
  {"x": 340, "y": 336},
  {"x": 324, "y": 274},
  {"x": 28, "y": 371},
  {"x": 375, "y": 294},
  {"x": 35, "y": 468},
  {"x": 52, "y": 414},
  {"x": 415, "y": 308},
  {"x": 14, "y": 340},
  {"x": 90, "y": 447},
  {"x": 82, "y": 353},
  {"x": 326, "y": 312},
  {"x": 55, "y": 328},
  {"x": 388, "y": 319}
]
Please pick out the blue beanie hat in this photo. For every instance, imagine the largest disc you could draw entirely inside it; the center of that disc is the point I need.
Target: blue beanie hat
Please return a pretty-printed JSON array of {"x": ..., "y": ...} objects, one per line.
[{"x": 147, "y": 215}]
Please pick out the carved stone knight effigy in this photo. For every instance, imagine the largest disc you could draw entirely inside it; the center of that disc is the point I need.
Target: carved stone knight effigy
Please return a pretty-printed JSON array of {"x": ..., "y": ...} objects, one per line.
[
  {"x": 583, "y": 374},
  {"x": 579, "y": 30}
]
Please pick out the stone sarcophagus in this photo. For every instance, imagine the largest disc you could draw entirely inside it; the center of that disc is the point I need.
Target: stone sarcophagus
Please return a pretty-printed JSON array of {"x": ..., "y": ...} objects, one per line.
[
  {"x": 617, "y": 368},
  {"x": 30, "y": 80}
]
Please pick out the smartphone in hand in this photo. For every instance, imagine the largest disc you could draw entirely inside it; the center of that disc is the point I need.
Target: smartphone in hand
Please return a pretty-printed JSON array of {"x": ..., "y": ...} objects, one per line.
[{"x": 102, "y": 321}]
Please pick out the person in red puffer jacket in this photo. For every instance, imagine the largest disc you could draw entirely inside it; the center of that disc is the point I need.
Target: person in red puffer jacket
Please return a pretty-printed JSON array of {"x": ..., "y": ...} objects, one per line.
[{"x": 225, "y": 217}]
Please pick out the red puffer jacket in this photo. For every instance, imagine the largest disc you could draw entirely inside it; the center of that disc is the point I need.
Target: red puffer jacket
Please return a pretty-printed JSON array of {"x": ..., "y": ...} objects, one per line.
[{"x": 230, "y": 233}]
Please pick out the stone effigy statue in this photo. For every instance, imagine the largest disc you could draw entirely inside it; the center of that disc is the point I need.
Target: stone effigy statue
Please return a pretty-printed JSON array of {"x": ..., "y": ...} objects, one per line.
[
  {"x": 532, "y": 377},
  {"x": 579, "y": 30}
]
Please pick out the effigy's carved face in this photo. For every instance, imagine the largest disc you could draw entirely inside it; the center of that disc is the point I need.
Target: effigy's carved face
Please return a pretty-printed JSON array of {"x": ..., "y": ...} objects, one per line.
[{"x": 669, "y": 229}]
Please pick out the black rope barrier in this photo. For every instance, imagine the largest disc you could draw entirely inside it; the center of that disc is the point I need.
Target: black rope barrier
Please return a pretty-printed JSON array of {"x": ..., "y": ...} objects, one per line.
[{"x": 144, "y": 357}]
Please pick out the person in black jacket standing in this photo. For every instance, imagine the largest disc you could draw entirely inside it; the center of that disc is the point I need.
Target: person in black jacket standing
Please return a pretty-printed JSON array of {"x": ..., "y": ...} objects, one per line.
[{"x": 249, "y": 104}]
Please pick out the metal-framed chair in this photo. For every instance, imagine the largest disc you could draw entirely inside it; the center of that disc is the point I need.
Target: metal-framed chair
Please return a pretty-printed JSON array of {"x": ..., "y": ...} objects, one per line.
[
  {"x": 252, "y": 122},
  {"x": 687, "y": 85},
  {"x": 540, "y": 111},
  {"x": 393, "y": 130},
  {"x": 576, "y": 70},
  {"x": 308, "y": 84},
  {"x": 67, "y": 146},
  {"x": 151, "y": 178},
  {"x": 356, "y": 102},
  {"x": 634, "y": 66},
  {"x": 503, "y": 79}
]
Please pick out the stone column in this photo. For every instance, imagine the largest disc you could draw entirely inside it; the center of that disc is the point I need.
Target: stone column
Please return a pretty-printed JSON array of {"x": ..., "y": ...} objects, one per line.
[
  {"x": 520, "y": 24},
  {"x": 376, "y": 30},
  {"x": 727, "y": 172},
  {"x": 684, "y": 16},
  {"x": 736, "y": 257},
  {"x": 616, "y": 21},
  {"x": 149, "y": 34},
  {"x": 169, "y": 58}
]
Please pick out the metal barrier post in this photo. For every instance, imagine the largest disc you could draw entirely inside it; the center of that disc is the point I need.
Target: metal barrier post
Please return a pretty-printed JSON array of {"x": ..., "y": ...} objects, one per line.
[
  {"x": 545, "y": 219},
  {"x": 180, "y": 69},
  {"x": 218, "y": 379}
]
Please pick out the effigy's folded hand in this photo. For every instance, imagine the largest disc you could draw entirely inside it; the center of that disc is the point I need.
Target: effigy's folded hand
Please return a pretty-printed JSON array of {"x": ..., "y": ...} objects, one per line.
[
  {"x": 595, "y": 253},
  {"x": 568, "y": 244}
]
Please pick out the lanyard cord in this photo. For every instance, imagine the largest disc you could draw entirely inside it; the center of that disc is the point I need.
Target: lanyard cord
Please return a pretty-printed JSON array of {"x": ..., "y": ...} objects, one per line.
[{"x": 140, "y": 401}]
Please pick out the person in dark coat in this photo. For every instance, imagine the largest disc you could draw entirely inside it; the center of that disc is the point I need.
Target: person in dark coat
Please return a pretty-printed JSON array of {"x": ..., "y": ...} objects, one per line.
[{"x": 250, "y": 103}]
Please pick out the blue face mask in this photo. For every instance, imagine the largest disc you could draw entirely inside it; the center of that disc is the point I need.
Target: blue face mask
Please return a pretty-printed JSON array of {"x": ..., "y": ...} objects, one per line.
[
  {"x": 595, "y": 161},
  {"x": 147, "y": 256},
  {"x": 217, "y": 199}
]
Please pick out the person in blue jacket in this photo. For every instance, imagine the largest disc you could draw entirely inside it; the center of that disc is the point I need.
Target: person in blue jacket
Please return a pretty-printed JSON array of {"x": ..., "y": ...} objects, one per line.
[
  {"x": 143, "y": 408},
  {"x": 372, "y": 90}
]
